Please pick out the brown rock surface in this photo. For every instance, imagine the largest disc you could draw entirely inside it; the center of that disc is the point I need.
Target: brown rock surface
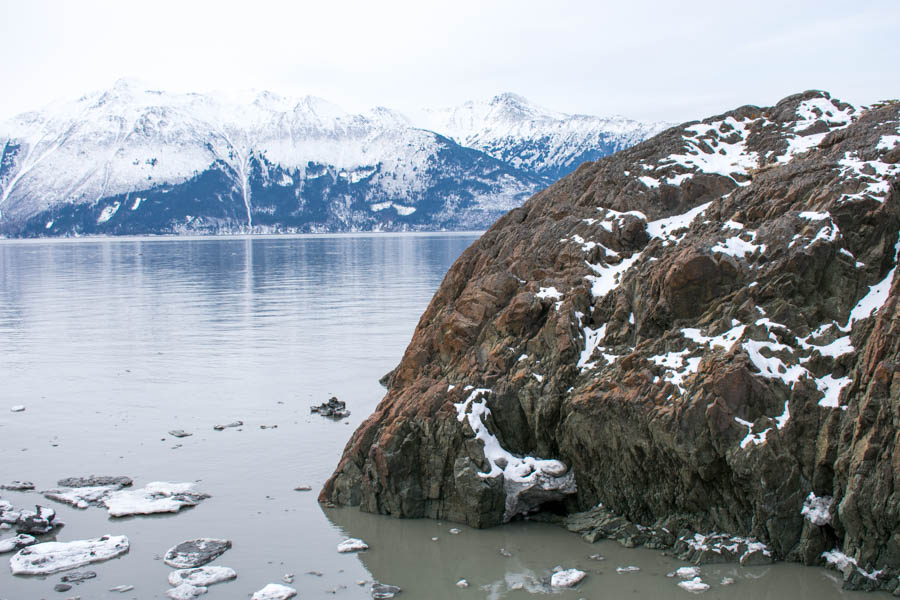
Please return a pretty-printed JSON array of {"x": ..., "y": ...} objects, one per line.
[{"x": 704, "y": 329}]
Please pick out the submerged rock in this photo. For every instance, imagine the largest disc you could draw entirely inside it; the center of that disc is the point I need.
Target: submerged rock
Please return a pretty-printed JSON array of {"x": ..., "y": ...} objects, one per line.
[
  {"x": 274, "y": 591},
  {"x": 334, "y": 408},
  {"x": 195, "y": 553},
  {"x": 62, "y": 587},
  {"x": 201, "y": 576},
  {"x": 155, "y": 497},
  {"x": 51, "y": 557}
]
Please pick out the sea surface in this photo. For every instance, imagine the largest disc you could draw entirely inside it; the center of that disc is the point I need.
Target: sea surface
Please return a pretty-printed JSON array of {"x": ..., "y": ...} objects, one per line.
[{"x": 112, "y": 343}]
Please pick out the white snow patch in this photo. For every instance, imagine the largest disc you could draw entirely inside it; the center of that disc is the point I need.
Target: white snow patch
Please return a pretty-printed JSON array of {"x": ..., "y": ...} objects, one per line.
[
  {"x": 108, "y": 211},
  {"x": 737, "y": 247},
  {"x": 887, "y": 142},
  {"x": 814, "y": 216},
  {"x": 49, "y": 224},
  {"x": 665, "y": 228},
  {"x": 137, "y": 203},
  {"x": 815, "y": 509},
  {"x": 650, "y": 182},
  {"x": 540, "y": 378},
  {"x": 831, "y": 387},
  {"x": 732, "y": 225},
  {"x": 592, "y": 339},
  {"x": 549, "y": 292},
  {"x": 783, "y": 418},
  {"x": 752, "y": 438},
  {"x": 608, "y": 277},
  {"x": 53, "y": 557}
]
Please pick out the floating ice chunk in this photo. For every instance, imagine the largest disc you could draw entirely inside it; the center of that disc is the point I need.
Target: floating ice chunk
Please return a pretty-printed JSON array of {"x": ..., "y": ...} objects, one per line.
[
  {"x": 383, "y": 591},
  {"x": 186, "y": 591},
  {"x": 462, "y": 583},
  {"x": 122, "y": 588},
  {"x": 201, "y": 576},
  {"x": 695, "y": 585},
  {"x": 14, "y": 543},
  {"x": 726, "y": 581},
  {"x": 53, "y": 557},
  {"x": 815, "y": 509},
  {"x": 274, "y": 591},
  {"x": 687, "y": 572},
  {"x": 155, "y": 497},
  {"x": 352, "y": 545},
  {"x": 195, "y": 553},
  {"x": 81, "y": 497},
  {"x": 567, "y": 578},
  {"x": 629, "y": 569},
  {"x": 17, "y": 408}
]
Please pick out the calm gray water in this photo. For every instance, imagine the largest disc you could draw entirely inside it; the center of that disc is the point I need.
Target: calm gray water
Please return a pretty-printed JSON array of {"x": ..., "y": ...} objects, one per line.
[{"x": 112, "y": 343}]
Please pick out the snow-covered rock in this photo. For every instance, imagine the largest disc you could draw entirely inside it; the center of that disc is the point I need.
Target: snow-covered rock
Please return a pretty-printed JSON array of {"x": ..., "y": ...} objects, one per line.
[{"x": 52, "y": 557}]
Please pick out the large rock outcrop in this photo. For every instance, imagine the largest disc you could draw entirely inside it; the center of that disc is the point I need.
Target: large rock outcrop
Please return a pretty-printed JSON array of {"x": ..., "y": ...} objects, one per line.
[{"x": 701, "y": 333}]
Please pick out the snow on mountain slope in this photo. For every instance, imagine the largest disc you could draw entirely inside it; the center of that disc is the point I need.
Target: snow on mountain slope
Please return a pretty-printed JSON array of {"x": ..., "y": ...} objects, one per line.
[
  {"x": 256, "y": 161},
  {"x": 548, "y": 143}
]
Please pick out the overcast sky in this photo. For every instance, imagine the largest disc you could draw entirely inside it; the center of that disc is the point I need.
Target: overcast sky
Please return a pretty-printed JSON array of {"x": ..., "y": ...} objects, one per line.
[{"x": 673, "y": 60}]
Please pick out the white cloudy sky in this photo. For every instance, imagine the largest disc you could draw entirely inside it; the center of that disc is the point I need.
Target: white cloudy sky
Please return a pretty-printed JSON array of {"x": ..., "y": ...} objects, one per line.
[{"x": 672, "y": 60}]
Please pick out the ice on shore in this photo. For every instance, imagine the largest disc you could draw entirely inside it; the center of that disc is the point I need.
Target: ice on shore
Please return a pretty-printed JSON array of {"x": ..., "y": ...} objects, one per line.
[
  {"x": 155, "y": 497},
  {"x": 352, "y": 545},
  {"x": 201, "y": 576},
  {"x": 274, "y": 591},
  {"x": 567, "y": 578},
  {"x": 195, "y": 553},
  {"x": 53, "y": 557}
]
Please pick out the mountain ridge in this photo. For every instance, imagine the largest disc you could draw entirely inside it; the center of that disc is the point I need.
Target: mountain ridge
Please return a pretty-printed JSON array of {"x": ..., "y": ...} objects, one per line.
[{"x": 199, "y": 163}]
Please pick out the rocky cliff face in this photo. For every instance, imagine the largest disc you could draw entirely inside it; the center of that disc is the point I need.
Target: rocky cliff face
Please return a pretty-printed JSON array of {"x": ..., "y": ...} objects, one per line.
[{"x": 700, "y": 332}]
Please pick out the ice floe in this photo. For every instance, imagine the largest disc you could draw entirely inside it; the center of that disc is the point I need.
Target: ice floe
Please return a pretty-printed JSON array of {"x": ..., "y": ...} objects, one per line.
[
  {"x": 155, "y": 497},
  {"x": 195, "y": 553},
  {"x": 567, "y": 578},
  {"x": 16, "y": 542},
  {"x": 695, "y": 585},
  {"x": 52, "y": 557},
  {"x": 201, "y": 576},
  {"x": 82, "y": 497},
  {"x": 628, "y": 569},
  {"x": 186, "y": 591},
  {"x": 352, "y": 545},
  {"x": 274, "y": 591}
]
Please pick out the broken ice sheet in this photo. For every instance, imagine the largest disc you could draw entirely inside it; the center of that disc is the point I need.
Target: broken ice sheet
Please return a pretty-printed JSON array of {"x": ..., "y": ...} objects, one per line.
[
  {"x": 53, "y": 557},
  {"x": 155, "y": 497}
]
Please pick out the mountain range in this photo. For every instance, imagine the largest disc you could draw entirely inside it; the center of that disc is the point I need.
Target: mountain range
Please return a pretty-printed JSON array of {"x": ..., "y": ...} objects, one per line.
[{"x": 132, "y": 160}]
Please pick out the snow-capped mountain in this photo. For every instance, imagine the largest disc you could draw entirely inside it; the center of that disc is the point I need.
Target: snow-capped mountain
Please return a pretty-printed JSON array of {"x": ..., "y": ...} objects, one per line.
[
  {"x": 541, "y": 141},
  {"x": 135, "y": 160}
]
